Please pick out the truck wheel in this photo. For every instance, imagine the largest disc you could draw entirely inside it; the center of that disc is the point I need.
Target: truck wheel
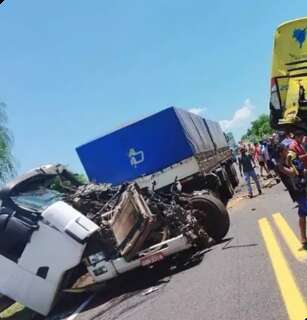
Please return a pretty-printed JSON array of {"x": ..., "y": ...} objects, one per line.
[
  {"x": 232, "y": 174},
  {"x": 226, "y": 189},
  {"x": 211, "y": 213}
]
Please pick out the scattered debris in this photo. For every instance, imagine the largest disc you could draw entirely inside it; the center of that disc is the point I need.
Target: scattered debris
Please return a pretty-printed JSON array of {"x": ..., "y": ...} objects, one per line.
[{"x": 150, "y": 290}]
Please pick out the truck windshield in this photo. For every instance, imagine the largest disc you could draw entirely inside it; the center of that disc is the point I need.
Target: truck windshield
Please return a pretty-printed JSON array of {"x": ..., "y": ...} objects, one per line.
[{"x": 37, "y": 200}]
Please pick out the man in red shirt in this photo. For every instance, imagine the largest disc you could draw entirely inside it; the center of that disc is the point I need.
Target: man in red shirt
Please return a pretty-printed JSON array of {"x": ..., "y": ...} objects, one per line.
[{"x": 297, "y": 144}]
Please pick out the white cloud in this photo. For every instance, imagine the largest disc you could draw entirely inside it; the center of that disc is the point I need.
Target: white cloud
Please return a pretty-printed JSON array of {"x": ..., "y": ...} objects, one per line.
[
  {"x": 241, "y": 117},
  {"x": 197, "y": 111}
]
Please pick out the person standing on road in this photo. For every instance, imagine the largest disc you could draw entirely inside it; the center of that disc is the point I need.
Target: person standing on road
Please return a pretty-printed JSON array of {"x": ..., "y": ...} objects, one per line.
[
  {"x": 267, "y": 159},
  {"x": 272, "y": 162},
  {"x": 247, "y": 165},
  {"x": 261, "y": 160},
  {"x": 250, "y": 148},
  {"x": 292, "y": 173}
]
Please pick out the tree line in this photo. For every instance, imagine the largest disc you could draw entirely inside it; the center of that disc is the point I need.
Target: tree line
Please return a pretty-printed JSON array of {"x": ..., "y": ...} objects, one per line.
[{"x": 259, "y": 129}]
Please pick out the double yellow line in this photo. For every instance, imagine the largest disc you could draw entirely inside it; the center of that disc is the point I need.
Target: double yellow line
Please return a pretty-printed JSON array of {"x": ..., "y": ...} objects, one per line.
[{"x": 291, "y": 294}]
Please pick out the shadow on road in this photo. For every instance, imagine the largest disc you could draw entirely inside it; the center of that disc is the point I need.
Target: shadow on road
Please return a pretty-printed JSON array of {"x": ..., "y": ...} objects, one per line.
[
  {"x": 141, "y": 279},
  {"x": 228, "y": 246},
  {"x": 142, "y": 282}
]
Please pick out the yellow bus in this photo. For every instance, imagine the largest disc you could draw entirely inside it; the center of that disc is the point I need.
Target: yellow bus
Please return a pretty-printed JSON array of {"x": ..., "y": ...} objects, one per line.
[{"x": 288, "y": 101}]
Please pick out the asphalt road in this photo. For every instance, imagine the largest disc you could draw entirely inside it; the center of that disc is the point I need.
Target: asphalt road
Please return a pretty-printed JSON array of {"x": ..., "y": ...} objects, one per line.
[{"x": 258, "y": 272}]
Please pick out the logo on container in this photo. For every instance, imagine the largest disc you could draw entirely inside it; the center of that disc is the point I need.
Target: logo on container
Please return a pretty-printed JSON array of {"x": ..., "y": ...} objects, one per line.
[
  {"x": 136, "y": 157},
  {"x": 299, "y": 35}
]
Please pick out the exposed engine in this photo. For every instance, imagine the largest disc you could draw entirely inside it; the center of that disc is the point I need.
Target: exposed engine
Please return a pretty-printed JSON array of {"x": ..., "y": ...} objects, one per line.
[{"x": 132, "y": 219}]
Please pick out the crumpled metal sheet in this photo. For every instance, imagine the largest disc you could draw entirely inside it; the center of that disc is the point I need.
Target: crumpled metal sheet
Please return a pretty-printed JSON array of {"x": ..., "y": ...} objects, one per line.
[{"x": 106, "y": 206}]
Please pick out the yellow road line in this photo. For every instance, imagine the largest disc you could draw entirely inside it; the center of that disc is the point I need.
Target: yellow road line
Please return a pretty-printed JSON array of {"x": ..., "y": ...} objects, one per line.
[
  {"x": 291, "y": 294},
  {"x": 290, "y": 238}
]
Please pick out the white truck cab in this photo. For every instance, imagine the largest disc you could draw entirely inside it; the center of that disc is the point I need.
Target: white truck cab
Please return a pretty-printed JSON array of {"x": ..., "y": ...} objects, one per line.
[{"x": 37, "y": 248}]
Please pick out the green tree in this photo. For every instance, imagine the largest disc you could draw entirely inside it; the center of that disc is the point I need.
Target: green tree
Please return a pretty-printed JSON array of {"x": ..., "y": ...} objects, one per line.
[
  {"x": 260, "y": 128},
  {"x": 6, "y": 140}
]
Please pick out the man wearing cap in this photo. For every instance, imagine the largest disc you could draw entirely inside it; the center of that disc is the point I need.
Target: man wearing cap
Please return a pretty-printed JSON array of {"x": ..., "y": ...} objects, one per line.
[{"x": 247, "y": 164}]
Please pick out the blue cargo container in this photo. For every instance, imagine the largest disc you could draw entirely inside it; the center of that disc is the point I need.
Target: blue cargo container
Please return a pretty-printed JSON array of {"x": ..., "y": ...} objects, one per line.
[{"x": 145, "y": 146}]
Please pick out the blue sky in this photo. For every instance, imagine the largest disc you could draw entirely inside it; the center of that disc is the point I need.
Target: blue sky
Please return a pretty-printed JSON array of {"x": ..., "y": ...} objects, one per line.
[{"x": 72, "y": 70}]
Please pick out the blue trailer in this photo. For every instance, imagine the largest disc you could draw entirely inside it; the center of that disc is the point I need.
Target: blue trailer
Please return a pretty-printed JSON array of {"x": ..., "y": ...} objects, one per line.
[{"x": 168, "y": 144}]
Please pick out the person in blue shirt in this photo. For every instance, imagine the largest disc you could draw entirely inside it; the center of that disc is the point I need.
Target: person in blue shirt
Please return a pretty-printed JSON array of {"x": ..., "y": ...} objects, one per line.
[{"x": 247, "y": 166}]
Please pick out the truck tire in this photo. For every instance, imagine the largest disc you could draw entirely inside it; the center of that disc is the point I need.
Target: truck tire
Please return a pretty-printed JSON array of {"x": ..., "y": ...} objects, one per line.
[
  {"x": 232, "y": 174},
  {"x": 226, "y": 189},
  {"x": 212, "y": 215}
]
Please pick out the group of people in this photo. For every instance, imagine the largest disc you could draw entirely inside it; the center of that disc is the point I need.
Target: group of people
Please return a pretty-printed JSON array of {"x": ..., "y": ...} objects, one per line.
[
  {"x": 265, "y": 155},
  {"x": 283, "y": 157},
  {"x": 262, "y": 154}
]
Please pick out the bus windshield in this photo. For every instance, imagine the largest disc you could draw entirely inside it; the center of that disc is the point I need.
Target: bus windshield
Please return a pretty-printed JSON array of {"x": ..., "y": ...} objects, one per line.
[{"x": 288, "y": 102}]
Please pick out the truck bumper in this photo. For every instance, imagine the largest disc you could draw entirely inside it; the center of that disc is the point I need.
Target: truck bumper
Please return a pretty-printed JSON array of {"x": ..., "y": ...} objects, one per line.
[{"x": 106, "y": 270}]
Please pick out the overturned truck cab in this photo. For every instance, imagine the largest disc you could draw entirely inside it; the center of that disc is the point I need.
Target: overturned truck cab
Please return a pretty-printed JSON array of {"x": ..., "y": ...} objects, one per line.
[
  {"x": 59, "y": 235},
  {"x": 41, "y": 238}
]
